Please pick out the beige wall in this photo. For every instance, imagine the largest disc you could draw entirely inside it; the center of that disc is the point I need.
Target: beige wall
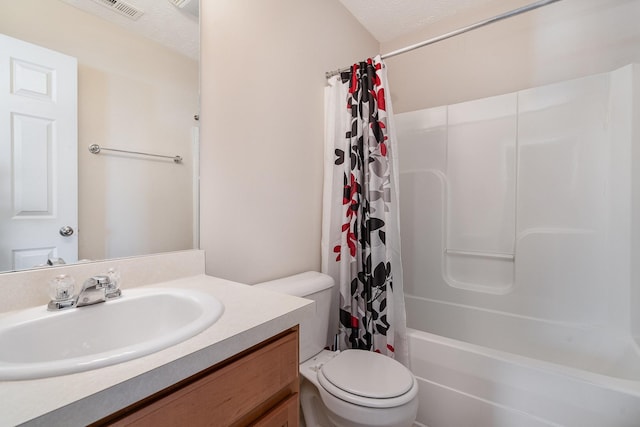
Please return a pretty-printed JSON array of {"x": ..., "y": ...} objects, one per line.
[
  {"x": 263, "y": 65},
  {"x": 133, "y": 94},
  {"x": 564, "y": 40}
]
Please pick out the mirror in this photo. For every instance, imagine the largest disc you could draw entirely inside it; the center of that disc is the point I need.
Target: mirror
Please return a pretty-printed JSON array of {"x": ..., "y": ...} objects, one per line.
[{"x": 133, "y": 93}]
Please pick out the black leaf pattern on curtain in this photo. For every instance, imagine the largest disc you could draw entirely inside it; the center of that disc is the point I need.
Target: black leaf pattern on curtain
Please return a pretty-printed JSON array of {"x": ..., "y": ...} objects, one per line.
[{"x": 366, "y": 201}]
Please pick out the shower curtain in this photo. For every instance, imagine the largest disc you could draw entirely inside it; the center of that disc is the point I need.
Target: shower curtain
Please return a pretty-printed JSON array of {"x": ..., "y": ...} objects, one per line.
[{"x": 361, "y": 232}]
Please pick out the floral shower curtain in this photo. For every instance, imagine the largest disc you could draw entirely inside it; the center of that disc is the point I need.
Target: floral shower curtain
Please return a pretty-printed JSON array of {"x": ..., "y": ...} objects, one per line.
[{"x": 361, "y": 233}]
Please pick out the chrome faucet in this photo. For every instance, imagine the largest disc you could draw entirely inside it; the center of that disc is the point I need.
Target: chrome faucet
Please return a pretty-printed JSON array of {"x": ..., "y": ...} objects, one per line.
[
  {"x": 97, "y": 289},
  {"x": 94, "y": 290}
]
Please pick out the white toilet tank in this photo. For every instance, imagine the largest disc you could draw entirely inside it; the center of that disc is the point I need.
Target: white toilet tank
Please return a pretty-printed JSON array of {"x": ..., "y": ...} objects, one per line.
[{"x": 315, "y": 286}]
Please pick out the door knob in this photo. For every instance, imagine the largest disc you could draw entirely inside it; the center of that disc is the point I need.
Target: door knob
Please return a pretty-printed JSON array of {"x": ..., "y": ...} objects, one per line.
[{"x": 66, "y": 231}]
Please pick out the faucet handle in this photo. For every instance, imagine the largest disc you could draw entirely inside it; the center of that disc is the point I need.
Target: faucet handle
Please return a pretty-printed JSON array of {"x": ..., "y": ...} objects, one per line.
[
  {"x": 114, "y": 276},
  {"x": 62, "y": 292},
  {"x": 113, "y": 290},
  {"x": 61, "y": 287}
]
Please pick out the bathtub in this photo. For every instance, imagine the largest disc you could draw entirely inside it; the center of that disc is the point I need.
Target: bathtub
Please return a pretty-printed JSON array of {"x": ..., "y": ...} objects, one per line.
[{"x": 484, "y": 368}]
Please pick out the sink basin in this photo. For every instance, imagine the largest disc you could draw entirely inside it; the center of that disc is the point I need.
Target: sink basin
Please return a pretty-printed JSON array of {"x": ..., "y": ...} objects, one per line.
[{"x": 37, "y": 343}]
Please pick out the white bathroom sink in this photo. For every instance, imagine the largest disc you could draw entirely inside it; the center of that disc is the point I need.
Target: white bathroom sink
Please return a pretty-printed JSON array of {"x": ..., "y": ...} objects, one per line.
[{"x": 37, "y": 343}]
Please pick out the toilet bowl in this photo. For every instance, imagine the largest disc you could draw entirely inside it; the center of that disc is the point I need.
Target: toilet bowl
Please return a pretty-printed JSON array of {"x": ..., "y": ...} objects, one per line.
[
  {"x": 352, "y": 388},
  {"x": 360, "y": 389}
]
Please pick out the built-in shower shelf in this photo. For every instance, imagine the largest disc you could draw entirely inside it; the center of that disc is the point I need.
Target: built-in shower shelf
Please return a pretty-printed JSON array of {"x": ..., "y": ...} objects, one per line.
[
  {"x": 479, "y": 271},
  {"x": 481, "y": 254}
]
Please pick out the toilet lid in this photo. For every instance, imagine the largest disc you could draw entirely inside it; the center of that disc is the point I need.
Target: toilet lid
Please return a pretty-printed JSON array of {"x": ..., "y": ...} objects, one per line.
[{"x": 368, "y": 374}]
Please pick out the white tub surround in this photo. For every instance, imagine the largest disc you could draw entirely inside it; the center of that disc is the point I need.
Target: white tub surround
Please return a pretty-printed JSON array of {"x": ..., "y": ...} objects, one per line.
[
  {"x": 520, "y": 238},
  {"x": 251, "y": 316}
]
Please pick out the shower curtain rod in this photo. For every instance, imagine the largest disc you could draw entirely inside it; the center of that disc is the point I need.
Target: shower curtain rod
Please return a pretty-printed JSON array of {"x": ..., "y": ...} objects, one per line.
[{"x": 509, "y": 14}]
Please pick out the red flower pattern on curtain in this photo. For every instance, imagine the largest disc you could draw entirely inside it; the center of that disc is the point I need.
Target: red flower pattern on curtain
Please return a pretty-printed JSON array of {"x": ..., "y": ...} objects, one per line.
[{"x": 366, "y": 171}]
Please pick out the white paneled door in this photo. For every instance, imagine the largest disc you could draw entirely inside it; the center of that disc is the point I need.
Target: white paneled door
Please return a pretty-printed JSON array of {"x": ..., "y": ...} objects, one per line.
[{"x": 38, "y": 155}]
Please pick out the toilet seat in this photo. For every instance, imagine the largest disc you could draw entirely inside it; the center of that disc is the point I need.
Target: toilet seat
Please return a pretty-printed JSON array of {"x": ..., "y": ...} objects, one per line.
[{"x": 368, "y": 379}]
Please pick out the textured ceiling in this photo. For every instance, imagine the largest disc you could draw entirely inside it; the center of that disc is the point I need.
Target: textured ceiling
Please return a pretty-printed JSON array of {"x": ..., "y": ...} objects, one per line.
[
  {"x": 178, "y": 30},
  {"x": 161, "y": 21},
  {"x": 388, "y": 19}
]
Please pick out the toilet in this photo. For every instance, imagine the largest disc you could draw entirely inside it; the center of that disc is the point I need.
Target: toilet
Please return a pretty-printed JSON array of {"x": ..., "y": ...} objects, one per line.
[{"x": 350, "y": 388}]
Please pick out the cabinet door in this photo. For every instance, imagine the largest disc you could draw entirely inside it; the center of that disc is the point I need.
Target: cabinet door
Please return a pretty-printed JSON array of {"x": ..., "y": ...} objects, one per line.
[
  {"x": 286, "y": 414},
  {"x": 236, "y": 394}
]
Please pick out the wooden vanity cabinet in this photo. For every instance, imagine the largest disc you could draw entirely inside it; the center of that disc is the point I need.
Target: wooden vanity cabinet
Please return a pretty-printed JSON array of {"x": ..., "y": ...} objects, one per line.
[{"x": 258, "y": 387}]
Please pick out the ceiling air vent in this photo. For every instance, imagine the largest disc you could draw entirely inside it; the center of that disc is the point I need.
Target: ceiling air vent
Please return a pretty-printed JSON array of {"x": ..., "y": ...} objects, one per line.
[{"x": 122, "y": 8}]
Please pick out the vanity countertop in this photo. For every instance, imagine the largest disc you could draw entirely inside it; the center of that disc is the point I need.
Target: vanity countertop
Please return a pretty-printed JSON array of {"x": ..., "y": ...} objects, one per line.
[{"x": 251, "y": 315}]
